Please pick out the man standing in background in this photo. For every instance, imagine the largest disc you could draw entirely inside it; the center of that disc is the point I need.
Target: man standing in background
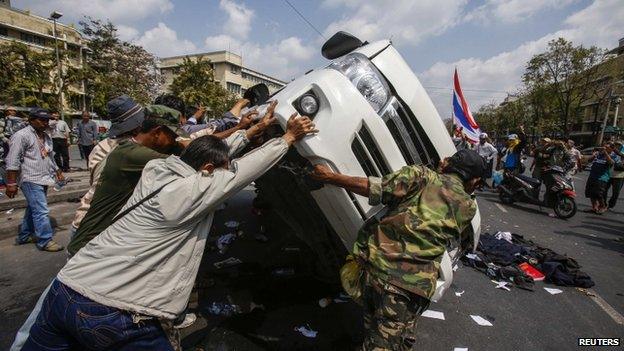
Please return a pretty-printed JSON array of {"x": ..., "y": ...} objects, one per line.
[
  {"x": 486, "y": 150},
  {"x": 59, "y": 131},
  {"x": 87, "y": 135},
  {"x": 30, "y": 157}
]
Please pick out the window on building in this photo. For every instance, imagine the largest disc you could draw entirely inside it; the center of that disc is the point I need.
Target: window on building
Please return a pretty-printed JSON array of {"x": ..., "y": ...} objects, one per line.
[
  {"x": 35, "y": 39},
  {"x": 234, "y": 69},
  {"x": 4, "y": 31},
  {"x": 233, "y": 88}
]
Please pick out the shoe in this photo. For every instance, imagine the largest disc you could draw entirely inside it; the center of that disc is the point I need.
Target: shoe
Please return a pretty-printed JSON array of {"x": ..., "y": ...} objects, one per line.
[
  {"x": 30, "y": 240},
  {"x": 189, "y": 319},
  {"x": 52, "y": 246}
]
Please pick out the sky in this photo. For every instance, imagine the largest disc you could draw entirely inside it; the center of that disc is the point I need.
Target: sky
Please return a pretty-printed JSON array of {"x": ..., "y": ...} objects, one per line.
[{"x": 488, "y": 41}]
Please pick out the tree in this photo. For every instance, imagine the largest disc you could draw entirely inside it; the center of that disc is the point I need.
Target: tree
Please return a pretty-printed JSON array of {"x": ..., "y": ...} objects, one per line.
[
  {"x": 26, "y": 76},
  {"x": 115, "y": 67},
  {"x": 562, "y": 75},
  {"x": 196, "y": 86}
]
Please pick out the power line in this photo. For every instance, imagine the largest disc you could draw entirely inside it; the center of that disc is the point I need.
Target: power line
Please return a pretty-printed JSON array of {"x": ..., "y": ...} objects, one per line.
[
  {"x": 463, "y": 89},
  {"x": 305, "y": 19}
]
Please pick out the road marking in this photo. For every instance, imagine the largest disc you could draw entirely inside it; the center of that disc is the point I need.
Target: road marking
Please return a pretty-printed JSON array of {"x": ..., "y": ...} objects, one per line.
[
  {"x": 500, "y": 207},
  {"x": 617, "y": 317}
]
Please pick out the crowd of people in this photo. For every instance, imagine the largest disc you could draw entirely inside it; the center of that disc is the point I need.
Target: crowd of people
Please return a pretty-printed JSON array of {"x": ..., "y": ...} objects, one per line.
[
  {"x": 140, "y": 231},
  {"x": 606, "y": 171}
]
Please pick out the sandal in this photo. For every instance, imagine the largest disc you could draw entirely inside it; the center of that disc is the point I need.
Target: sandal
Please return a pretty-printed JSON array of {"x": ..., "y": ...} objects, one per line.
[{"x": 30, "y": 240}]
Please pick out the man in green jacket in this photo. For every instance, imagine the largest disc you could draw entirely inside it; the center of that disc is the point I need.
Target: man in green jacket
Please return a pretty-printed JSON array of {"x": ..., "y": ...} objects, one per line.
[{"x": 428, "y": 212}]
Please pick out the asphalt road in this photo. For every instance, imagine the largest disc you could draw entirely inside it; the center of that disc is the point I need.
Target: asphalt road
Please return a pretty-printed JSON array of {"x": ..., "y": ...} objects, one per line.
[{"x": 522, "y": 320}]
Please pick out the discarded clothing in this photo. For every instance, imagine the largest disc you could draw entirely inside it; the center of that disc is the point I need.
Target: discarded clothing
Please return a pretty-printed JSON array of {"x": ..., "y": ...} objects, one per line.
[{"x": 499, "y": 259}]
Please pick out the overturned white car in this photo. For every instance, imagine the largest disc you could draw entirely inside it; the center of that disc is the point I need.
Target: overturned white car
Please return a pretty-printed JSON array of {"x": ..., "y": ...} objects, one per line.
[{"x": 374, "y": 117}]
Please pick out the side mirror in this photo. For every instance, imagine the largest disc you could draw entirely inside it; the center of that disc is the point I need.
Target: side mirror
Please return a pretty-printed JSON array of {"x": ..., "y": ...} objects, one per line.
[
  {"x": 340, "y": 44},
  {"x": 257, "y": 94}
]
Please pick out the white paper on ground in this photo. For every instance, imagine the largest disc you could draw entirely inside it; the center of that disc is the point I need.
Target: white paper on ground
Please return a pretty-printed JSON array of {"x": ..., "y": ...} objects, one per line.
[
  {"x": 434, "y": 314},
  {"x": 460, "y": 349},
  {"x": 481, "y": 321},
  {"x": 307, "y": 332},
  {"x": 553, "y": 291},
  {"x": 459, "y": 294},
  {"x": 455, "y": 268}
]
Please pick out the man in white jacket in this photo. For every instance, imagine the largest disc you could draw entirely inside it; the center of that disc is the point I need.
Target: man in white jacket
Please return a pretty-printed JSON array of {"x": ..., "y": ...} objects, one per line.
[{"x": 114, "y": 293}]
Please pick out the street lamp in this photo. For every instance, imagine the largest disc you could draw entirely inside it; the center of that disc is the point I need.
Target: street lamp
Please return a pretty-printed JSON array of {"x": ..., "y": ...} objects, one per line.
[{"x": 55, "y": 16}]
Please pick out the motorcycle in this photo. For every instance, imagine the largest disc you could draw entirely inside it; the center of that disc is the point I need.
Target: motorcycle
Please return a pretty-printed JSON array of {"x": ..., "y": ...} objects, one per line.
[{"x": 521, "y": 188}]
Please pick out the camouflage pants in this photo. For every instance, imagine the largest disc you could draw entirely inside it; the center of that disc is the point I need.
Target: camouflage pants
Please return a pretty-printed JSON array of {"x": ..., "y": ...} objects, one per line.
[{"x": 390, "y": 315}]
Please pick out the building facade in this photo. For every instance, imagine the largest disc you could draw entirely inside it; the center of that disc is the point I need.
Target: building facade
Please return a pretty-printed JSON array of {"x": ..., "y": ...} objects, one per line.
[
  {"x": 603, "y": 111},
  {"x": 38, "y": 34},
  {"x": 228, "y": 71}
]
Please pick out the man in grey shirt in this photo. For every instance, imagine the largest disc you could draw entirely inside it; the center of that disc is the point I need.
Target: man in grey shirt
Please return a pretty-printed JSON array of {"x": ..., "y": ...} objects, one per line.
[
  {"x": 59, "y": 131},
  {"x": 30, "y": 155},
  {"x": 87, "y": 135}
]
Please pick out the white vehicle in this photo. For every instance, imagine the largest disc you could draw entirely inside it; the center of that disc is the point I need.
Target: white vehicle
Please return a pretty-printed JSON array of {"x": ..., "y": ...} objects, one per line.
[{"x": 374, "y": 117}]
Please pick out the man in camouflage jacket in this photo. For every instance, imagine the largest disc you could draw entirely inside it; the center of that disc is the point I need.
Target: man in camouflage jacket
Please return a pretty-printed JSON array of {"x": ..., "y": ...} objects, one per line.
[{"x": 428, "y": 212}]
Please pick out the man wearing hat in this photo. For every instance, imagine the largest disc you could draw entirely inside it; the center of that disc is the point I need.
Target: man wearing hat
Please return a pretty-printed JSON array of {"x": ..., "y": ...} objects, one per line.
[
  {"x": 400, "y": 252},
  {"x": 145, "y": 139},
  {"x": 513, "y": 152},
  {"x": 617, "y": 174},
  {"x": 31, "y": 155}
]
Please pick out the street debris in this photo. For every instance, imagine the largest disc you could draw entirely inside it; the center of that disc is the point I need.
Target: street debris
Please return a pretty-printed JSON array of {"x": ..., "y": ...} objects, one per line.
[
  {"x": 232, "y": 261},
  {"x": 232, "y": 224},
  {"x": 306, "y": 331},
  {"x": 223, "y": 309},
  {"x": 261, "y": 238},
  {"x": 522, "y": 262},
  {"x": 324, "y": 302},
  {"x": 434, "y": 314},
  {"x": 459, "y": 293},
  {"x": 10, "y": 211},
  {"x": 501, "y": 285},
  {"x": 455, "y": 268},
  {"x": 586, "y": 292},
  {"x": 473, "y": 257},
  {"x": 481, "y": 321},
  {"x": 553, "y": 291},
  {"x": 503, "y": 236},
  {"x": 224, "y": 241},
  {"x": 460, "y": 349},
  {"x": 283, "y": 272}
]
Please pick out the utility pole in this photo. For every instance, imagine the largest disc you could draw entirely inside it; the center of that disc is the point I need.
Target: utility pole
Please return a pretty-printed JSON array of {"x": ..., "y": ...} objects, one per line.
[
  {"x": 604, "y": 122},
  {"x": 617, "y": 109},
  {"x": 54, "y": 16}
]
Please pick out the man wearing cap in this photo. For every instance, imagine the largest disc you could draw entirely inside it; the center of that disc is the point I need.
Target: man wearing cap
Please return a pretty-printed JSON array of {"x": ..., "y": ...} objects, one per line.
[
  {"x": 31, "y": 155},
  {"x": 150, "y": 138},
  {"x": 115, "y": 293},
  {"x": 428, "y": 212},
  {"x": 87, "y": 135},
  {"x": 513, "y": 152},
  {"x": 488, "y": 152}
]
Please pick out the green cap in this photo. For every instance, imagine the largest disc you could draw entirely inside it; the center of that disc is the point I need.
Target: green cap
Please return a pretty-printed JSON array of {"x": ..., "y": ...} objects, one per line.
[{"x": 165, "y": 116}]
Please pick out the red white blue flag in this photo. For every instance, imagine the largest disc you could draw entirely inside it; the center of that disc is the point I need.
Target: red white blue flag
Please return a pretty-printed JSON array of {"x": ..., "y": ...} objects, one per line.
[{"x": 461, "y": 113}]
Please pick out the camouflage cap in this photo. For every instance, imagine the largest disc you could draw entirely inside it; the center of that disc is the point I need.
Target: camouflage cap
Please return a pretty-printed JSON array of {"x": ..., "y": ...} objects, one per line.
[{"x": 165, "y": 116}]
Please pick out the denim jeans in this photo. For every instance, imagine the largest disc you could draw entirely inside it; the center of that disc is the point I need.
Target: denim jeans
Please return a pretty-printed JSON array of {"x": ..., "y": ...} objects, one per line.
[
  {"x": 36, "y": 221},
  {"x": 70, "y": 321}
]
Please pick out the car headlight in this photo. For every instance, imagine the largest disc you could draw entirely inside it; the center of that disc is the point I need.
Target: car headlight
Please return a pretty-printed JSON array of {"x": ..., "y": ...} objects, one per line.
[
  {"x": 365, "y": 77},
  {"x": 308, "y": 104}
]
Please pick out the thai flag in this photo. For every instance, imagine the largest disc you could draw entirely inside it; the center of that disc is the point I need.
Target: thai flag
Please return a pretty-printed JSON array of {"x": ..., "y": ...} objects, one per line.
[{"x": 461, "y": 113}]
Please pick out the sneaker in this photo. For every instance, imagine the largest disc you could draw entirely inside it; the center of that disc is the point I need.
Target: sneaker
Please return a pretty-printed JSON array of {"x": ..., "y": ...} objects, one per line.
[
  {"x": 189, "y": 319},
  {"x": 52, "y": 246},
  {"x": 30, "y": 240}
]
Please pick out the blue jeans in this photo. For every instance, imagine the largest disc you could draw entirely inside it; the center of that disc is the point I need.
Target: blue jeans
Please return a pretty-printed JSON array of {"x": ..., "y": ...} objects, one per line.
[
  {"x": 70, "y": 321},
  {"x": 36, "y": 221}
]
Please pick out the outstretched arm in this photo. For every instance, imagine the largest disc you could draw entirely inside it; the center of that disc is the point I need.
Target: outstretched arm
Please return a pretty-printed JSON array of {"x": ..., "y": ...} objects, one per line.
[{"x": 358, "y": 185}]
